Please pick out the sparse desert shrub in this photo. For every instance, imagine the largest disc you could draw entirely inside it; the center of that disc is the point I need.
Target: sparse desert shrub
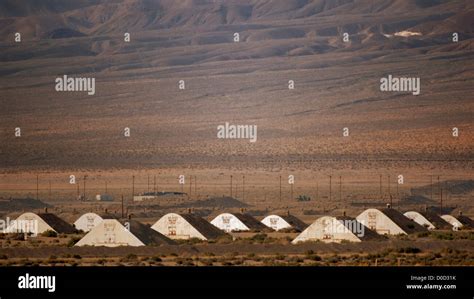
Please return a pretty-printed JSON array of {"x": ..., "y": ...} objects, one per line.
[
  {"x": 423, "y": 235},
  {"x": 156, "y": 259},
  {"x": 101, "y": 261},
  {"x": 259, "y": 237},
  {"x": 409, "y": 250},
  {"x": 129, "y": 258},
  {"x": 190, "y": 241},
  {"x": 280, "y": 257},
  {"x": 314, "y": 257},
  {"x": 233, "y": 254},
  {"x": 72, "y": 241},
  {"x": 288, "y": 230},
  {"x": 225, "y": 239},
  {"x": 206, "y": 262},
  {"x": 334, "y": 259},
  {"x": 303, "y": 198},
  {"x": 18, "y": 237},
  {"x": 49, "y": 234},
  {"x": 239, "y": 262},
  {"x": 449, "y": 251},
  {"x": 443, "y": 235}
]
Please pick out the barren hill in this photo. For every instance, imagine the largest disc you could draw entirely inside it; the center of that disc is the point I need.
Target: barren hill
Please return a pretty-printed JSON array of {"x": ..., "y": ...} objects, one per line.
[{"x": 336, "y": 82}]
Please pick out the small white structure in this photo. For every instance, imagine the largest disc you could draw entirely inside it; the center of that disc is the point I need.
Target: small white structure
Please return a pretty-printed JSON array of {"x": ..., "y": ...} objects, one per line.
[
  {"x": 143, "y": 197},
  {"x": 336, "y": 229},
  {"x": 186, "y": 226},
  {"x": 388, "y": 221},
  {"x": 104, "y": 197},
  {"x": 277, "y": 222},
  {"x": 452, "y": 220},
  {"x": 87, "y": 222},
  {"x": 112, "y": 233},
  {"x": 39, "y": 223},
  {"x": 420, "y": 219},
  {"x": 236, "y": 222}
]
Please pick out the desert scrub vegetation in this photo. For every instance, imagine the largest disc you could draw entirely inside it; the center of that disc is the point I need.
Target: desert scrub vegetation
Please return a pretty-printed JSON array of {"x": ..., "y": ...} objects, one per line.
[
  {"x": 443, "y": 235},
  {"x": 72, "y": 241},
  {"x": 225, "y": 239},
  {"x": 459, "y": 235},
  {"x": 49, "y": 234},
  {"x": 129, "y": 258},
  {"x": 191, "y": 241},
  {"x": 260, "y": 238},
  {"x": 303, "y": 197},
  {"x": 408, "y": 250}
]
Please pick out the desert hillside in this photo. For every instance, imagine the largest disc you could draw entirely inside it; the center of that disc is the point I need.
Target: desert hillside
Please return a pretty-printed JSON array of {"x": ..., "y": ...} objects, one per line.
[{"x": 336, "y": 86}]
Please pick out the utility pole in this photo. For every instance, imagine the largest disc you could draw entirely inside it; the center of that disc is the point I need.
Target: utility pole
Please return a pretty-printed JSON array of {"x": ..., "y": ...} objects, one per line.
[
  {"x": 441, "y": 200},
  {"x": 381, "y": 196},
  {"x": 431, "y": 185},
  {"x": 340, "y": 188},
  {"x": 195, "y": 186},
  {"x": 230, "y": 185},
  {"x": 243, "y": 187},
  {"x": 37, "y": 187},
  {"x": 397, "y": 190},
  {"x": 280, "y": 187},
  {"x": 330, "y": 188},
  {"x": 190, "y": 185},
  {"x": 85, "y": 177},
  {"x": 439, "y": 190},
  {"x": 291, "y": 192},
  {"x": 317, "y": 190},
  {"x": 446, "y": 191},
  {"x": 122, "y": 205},
  {"x": 133, "y": 186},
  {"x": 388, "y": 183}
]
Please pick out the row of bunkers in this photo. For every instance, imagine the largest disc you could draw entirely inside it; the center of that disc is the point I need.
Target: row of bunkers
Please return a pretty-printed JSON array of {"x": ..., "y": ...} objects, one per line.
[{"x": 372, "y": 224}]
